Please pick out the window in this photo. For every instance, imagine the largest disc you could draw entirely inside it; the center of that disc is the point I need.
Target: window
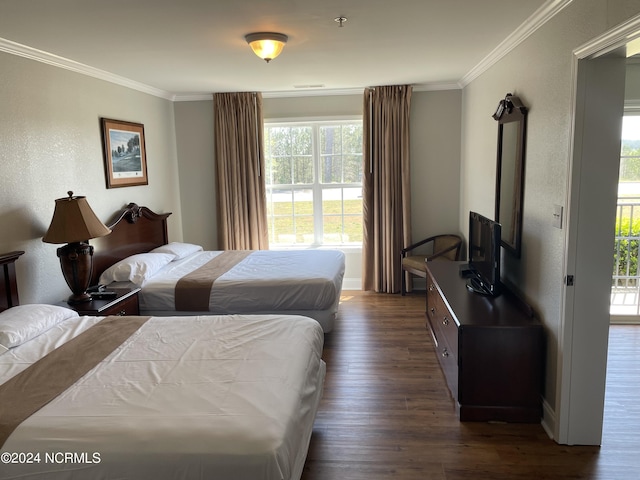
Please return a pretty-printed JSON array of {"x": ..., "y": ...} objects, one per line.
[
  {"x": 630, "y": 150},
  {"x": 314, "y": 182}
]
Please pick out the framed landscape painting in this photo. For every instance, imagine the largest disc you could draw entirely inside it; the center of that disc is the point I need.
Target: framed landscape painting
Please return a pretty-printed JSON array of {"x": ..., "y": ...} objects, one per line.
[{"x": 125, "y": 158}]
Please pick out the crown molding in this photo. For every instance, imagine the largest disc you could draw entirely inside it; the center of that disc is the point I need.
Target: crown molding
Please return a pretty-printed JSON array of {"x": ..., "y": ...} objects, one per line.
[
  {"x": 541, "y": 16},
  {"x": 24, "y": 51},
  {"x": 632, "y": 106},
  {"x": 324, "y": 92}
]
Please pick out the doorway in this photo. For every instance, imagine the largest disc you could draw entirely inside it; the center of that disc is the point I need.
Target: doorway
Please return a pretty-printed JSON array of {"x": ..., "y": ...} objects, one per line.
[
  {"x": 599, "y": 73},
  {"x": 625, "y": 285}
]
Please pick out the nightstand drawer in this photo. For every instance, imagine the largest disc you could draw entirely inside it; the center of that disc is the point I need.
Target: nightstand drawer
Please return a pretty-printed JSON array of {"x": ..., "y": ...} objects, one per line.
[
  {"x": 128, "y": 306},
  {"x": 124, "y": 303}
]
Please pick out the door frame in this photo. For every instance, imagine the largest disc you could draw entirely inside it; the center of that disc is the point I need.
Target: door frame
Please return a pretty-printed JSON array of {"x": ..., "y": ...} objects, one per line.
[{"x": 584, "y": 322}]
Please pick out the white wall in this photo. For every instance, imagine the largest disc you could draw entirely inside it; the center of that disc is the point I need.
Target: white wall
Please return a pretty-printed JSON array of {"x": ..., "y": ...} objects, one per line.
[
  {"x": 435, "y": 162},
  {"x": 50, "y": 142},
  {"x": 539, "y": 71},
  {"x": 195, "y": 145}
]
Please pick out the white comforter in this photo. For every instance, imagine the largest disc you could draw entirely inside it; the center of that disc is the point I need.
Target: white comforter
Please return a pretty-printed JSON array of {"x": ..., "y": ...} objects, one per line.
[
  {"x": 211, "y": 397},
  {"x": 306, "y": 282}
]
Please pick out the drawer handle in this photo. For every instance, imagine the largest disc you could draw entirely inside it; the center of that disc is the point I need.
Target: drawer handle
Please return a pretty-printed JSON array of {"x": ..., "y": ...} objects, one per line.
[
  {"x": 122, "y": 313},
  {"x": 432, "y": 310},
  {"x": 445, "y": 353},
  {"x": 445, "y": 321},
  {"x": 431, "y": 287}
]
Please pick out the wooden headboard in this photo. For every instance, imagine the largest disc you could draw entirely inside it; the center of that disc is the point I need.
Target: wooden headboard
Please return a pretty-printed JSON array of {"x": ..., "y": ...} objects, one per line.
[
  {"x": 133, "y": 230},
  {"x": 9, "y": 291}
]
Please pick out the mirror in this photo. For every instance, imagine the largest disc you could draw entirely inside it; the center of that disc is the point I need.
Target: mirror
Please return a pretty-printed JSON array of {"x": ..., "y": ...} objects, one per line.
[{"x": 511, "y": 115}]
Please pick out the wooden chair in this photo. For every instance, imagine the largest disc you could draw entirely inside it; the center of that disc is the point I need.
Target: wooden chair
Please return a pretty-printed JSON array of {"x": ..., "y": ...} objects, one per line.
[{"x": 446, "y": 247}]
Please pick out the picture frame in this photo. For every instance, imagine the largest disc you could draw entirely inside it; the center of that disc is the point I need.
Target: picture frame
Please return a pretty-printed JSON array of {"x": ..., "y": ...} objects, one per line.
[{"x": 125, "y": 155}]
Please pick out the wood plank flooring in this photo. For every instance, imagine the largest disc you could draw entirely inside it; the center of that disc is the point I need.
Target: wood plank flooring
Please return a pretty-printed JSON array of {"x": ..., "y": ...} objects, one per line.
[{"x": 386, "y": 412}]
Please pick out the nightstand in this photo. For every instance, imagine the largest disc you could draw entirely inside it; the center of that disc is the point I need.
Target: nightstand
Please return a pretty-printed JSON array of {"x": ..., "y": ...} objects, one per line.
[{"x": 124, "y": 303}]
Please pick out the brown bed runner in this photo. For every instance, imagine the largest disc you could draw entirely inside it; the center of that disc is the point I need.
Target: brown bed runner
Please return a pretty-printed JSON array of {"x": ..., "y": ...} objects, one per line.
[
  {"x": 41, "y": 382},
  {"x": 194, "y": 289}
]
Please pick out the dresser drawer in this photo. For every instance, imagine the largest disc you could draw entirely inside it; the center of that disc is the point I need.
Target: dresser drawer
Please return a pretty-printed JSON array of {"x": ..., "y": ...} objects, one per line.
[
  {"x": 445, "y": 336},
  {"x": 446, "y": 357},
  {"x": 441, "y": 318}
]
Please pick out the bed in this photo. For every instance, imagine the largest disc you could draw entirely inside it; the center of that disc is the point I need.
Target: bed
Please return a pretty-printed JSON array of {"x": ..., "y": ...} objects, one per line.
[
  {"x": 218, "y": 396},
  {"x": 182, "y": 279}
]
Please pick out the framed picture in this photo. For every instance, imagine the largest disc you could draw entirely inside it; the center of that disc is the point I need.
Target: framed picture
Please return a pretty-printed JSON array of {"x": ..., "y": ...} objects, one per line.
[{"x": 125, "y": 157}]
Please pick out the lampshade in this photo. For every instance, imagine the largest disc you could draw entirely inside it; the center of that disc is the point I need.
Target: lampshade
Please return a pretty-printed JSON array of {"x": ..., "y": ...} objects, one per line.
[
  {"x": 74, "y": 221},
  {"x": 266, "y": 45}
]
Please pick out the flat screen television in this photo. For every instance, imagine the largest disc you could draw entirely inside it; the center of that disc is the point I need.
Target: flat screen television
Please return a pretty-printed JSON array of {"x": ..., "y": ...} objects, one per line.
[{"x": 484, "y": 255}]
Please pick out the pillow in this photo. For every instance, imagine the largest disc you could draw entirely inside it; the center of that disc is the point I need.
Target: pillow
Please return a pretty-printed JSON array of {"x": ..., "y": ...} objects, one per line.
[
  {"x": 24, "y": 322},
  {"x": 136, "y": 268},
  {"x": 180, "y": 250}
]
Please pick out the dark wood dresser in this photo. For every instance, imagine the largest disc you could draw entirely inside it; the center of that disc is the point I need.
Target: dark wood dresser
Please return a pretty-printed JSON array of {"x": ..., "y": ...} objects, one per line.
[{"x": 490, "y": 348}]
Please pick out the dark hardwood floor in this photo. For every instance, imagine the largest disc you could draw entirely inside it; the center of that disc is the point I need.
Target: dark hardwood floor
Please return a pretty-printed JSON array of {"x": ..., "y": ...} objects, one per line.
[{"x": 386, "y": 411}]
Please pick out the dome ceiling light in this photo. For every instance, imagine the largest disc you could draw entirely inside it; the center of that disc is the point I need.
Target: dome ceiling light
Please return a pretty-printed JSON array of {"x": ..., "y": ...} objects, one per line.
[{"x": 266, "y": 45}]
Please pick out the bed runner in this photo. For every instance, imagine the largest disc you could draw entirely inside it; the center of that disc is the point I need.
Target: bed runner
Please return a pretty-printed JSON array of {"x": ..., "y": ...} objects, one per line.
[
  {"x": 41, "y": 382},
  {"x": 193, "y": 291}
]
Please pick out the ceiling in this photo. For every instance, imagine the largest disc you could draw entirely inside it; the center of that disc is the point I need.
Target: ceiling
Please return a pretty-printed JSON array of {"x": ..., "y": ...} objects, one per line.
[{"x": 194, "y": 47}]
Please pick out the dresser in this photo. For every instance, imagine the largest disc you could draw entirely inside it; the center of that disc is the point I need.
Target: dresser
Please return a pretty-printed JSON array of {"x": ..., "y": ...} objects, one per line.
[{"x": 490, "y": 349}]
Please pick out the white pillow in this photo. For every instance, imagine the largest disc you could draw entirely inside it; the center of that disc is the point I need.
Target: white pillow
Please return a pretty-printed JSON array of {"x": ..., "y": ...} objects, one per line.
[
  {"x": 24, "y": 322},
  {"x": 180, "y": 250},
  {"x": 136, "y": 268}
]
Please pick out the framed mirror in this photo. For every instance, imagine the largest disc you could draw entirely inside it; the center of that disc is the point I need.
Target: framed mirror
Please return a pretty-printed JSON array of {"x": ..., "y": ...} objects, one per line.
[{"x": 511, "y": 115}]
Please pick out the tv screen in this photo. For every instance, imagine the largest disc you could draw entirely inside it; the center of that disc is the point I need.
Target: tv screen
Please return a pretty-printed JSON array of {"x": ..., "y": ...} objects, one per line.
[{"x": 484, "y": 254}]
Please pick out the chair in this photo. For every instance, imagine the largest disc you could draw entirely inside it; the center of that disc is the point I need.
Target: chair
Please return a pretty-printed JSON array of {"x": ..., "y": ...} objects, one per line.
[{"x": 446, "y": 247}]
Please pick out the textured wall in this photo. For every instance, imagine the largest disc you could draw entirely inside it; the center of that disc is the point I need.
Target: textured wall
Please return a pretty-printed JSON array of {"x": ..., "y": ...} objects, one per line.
[
  {"x": 539, "y": 71},
  {"x": 50, "y": 142}
]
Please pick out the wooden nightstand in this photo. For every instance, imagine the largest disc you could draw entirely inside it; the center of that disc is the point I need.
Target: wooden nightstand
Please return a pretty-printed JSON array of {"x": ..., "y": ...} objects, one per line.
[{"x": 124, "y": 303}]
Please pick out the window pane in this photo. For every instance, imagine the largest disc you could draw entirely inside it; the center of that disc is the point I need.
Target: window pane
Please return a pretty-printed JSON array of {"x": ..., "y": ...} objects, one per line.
[
  {"x": 330, "y": 140},
  {"x": 303, "y": 170},
  {"x": 353, "y": 229},
  {"x": 331, "y": 169},
  {"x": 352, "y": 138},
  {"x": 303, "y": 202},
  {"x": 282, "y": 202},
  {"x": 280, "y": 171},
  {"x": 303, "y": 216},
  {"x": 352, "y": 201},
  {"x": 279, "y": 141},
  {"x": 301, "y": 140},
  {"x": 342, "y": 215},
  {"x": 352, "y": 169}
]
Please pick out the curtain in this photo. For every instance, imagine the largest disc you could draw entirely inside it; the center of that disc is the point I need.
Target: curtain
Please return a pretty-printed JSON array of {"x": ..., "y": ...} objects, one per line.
[
  {"x": 241, "y": 194},
  {"x": 386, "y": 188}
]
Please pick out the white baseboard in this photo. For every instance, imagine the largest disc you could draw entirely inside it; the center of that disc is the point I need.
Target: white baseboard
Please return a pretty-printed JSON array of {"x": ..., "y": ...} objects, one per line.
[
  {"x": 548, "y": 419},
  {"x": 351, "y": 284}
]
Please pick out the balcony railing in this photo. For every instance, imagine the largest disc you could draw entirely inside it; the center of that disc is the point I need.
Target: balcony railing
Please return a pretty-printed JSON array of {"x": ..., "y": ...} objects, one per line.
[{"x": 625, "y": 285}]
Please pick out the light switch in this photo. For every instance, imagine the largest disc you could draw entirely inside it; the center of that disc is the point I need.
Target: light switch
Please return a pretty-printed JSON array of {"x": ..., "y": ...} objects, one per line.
[{"x": 557, "y": 216}]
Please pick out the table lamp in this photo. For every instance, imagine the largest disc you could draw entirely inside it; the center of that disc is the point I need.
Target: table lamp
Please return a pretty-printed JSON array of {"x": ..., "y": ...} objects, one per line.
[{"x": 74, "y": 223}]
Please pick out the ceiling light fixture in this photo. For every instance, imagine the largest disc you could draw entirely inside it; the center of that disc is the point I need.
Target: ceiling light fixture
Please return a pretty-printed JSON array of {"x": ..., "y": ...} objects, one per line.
[{"x": 266, "y": 45}]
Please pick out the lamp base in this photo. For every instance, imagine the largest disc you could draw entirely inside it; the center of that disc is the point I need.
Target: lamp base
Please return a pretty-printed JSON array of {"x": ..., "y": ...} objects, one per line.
[
  {"x": 76, "y": 260},
  {"x": 75, "y": 299}
]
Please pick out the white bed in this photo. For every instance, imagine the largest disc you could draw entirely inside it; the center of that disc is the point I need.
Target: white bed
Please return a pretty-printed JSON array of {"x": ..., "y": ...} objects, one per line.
[
  {"x": 219, "y": 397},
  {"x": 300, "y": 282}
]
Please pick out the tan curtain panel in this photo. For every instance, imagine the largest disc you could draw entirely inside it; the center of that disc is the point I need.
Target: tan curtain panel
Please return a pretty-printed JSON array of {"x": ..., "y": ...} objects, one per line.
[
  {"x": 242, "y": 211},
  {"x": 386, "y": 186}
]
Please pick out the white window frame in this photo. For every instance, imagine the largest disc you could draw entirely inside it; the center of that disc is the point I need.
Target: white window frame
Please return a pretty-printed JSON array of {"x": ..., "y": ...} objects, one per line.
[{"x": 316, "y": 188}]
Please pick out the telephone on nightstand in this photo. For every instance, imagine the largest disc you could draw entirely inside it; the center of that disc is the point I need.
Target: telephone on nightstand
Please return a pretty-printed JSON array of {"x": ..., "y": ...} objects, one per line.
[{"x": 100, "y": 292}]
